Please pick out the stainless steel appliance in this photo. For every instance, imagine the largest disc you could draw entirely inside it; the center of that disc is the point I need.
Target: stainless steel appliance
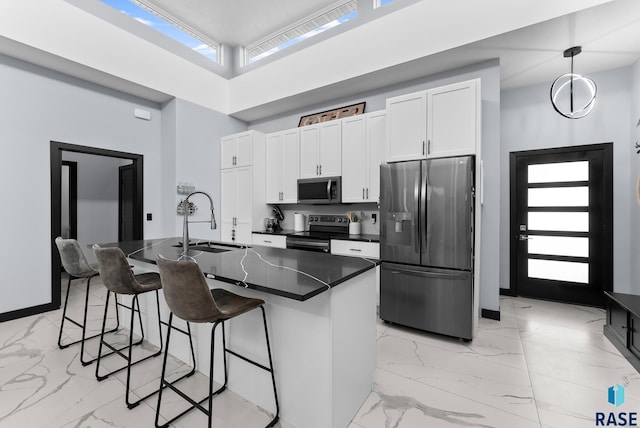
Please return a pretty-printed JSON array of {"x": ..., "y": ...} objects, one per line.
[
  {"x": 320, "y": 191},
  {"x": 322, "y": 228},
  {"x": 426, "y": 237}
]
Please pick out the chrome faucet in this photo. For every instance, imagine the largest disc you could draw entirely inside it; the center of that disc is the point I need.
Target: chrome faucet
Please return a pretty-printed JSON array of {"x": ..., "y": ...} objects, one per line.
[{"x": 185, "y": 223}]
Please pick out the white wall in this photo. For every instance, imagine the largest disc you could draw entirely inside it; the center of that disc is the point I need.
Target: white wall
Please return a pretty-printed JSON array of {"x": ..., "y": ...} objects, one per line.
[
  {"x": 633, "y": 286},
  {"x": 529, "y": 122},
  {"x": 39, "y": 106},
  {"x": 489, "y": 73}
]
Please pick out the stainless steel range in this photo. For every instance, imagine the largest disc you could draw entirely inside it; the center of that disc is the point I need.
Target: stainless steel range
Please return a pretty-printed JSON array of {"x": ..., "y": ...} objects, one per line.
[{"x": 322, "y": 228}]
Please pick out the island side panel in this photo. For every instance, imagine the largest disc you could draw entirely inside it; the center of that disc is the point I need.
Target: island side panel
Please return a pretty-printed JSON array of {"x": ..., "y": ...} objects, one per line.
[{"x": 353, "y": 318}]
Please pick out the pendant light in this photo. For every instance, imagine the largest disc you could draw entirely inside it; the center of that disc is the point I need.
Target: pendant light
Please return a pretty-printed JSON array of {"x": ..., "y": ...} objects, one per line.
[{"x": 573, "y": 95}]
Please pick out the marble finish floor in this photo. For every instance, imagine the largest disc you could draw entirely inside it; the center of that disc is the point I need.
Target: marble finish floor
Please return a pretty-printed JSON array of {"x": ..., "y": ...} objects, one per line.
[{"x": 543, "y": 365}]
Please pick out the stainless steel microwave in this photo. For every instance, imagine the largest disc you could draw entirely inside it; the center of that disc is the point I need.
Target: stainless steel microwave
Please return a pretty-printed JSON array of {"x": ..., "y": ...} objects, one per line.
[{"x": 321, "y": 190}]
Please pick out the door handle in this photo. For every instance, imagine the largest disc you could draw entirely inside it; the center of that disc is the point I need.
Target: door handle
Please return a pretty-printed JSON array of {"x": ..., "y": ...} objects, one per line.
[
  {"x": 317, "y": 173},
  {"x": 367, "y": 193},
  {"x": 320, "y": 169},
  {"x": 524, "y": 237},
  {"x": 329, "y": 189},
  {"x": 363, "y": 193}
]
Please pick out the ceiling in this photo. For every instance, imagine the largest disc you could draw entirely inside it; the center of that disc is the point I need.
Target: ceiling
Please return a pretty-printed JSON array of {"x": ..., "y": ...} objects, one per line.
[
  {"x": 609, "y": 35},
  {"x": 238, "y": 22}
]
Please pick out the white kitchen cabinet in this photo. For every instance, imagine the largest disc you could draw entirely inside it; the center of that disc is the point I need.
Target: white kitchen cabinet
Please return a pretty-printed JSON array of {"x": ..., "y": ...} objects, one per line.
[
  {"x": 453, "y": 119},
  {"x": 282, "y": 166},
  {"x": 266, "y": 240},
  {"x": 440, "y": 122},
  {"x": 236, "y": 201},
  {"x": 355, "y": 248},
  {"x": 320, "y": 149},
  {"x": 237, "y": 150},
  {"x": 406, "y": 127},
  {"x": 243, "y": 206},
  {"x": 363, "y": 140}
]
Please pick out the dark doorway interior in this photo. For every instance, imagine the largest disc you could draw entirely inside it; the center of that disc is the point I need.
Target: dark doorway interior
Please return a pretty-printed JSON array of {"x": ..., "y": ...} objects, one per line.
[
  {"x": 136, "y": 220},
  {"x": 128, "y": 210},
  {"x": 562, "y": 224},
  {"x": 69, "y": 209}
]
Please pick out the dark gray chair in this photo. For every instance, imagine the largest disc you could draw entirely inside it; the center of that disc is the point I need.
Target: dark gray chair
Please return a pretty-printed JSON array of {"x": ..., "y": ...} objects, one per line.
[
  {"x": 118, "y": 277},
  {"x": 190, "y": 299},
  {"x": 76, "y": 265}
]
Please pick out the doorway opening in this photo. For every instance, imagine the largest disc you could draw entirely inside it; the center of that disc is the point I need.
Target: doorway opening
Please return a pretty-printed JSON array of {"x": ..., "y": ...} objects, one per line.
[
  {"x": 133, "y": 201},
  {"x": 561, "y": 225}
]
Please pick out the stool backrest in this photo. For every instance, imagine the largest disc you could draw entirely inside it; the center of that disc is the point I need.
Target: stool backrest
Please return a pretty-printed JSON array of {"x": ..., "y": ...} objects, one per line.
[
  {"x": 115, "y": 271},
  {"x": 186, "y": 291},
  {"x": 72, "y": 257}
]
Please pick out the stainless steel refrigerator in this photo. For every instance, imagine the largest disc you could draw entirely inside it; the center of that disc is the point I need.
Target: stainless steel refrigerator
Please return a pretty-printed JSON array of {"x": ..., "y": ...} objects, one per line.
[{"x": 426, "y": 244}]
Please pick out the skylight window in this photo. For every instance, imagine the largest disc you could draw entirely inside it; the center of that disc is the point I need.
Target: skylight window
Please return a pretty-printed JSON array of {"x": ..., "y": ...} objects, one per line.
[
  {"x": 330, "y": 17},
  {"x": 167, "y": 26},
  {"x": 380, "y": 3}
]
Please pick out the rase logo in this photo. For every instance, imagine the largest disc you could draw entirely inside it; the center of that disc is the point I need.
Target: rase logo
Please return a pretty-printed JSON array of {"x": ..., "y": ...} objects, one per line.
[{"x": 615, "y": 397}]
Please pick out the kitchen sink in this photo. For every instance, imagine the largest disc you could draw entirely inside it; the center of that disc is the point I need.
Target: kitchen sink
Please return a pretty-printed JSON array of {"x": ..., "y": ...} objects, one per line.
[{"x": 208, "y": 249}]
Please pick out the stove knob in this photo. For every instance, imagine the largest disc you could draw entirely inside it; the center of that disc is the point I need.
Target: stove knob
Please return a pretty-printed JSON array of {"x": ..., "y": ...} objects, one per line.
[{"x": 340, "y": 220}]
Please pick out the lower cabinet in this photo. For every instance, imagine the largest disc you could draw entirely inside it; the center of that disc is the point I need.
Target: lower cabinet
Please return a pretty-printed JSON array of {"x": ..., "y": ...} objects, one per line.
[
  {"x": 266, "y": 240},
  {"x": 369, "y": 250},
  {"x": 623, "y": 325}
]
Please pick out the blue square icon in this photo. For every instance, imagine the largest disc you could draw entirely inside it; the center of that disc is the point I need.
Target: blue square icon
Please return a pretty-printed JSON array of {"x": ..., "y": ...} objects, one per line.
[{"x": 616, "y": 395}]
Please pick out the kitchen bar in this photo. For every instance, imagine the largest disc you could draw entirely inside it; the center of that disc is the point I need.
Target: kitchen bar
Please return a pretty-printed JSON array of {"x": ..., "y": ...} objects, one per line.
[{"x": 321, "y": 311}]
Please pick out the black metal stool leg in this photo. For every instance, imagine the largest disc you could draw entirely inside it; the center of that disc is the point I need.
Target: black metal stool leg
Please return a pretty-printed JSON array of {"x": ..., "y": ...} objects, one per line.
[
  {"x": 64, "y": 316},
  {"x": 273, "y": 377}
]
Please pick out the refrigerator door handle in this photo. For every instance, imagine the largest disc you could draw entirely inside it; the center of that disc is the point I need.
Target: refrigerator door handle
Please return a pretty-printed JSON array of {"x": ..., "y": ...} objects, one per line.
[{"x": 427, "y": 274}]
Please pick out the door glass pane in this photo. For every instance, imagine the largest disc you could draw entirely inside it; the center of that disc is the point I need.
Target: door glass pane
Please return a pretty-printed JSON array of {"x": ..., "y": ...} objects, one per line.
[
  {"x": 559, "y": 197},
  {"x": 558, "y": 246},
  {"x": 559, "y": 271},
  {"x": 569, "y": 222},
  {"x": 561, "y": 171}
]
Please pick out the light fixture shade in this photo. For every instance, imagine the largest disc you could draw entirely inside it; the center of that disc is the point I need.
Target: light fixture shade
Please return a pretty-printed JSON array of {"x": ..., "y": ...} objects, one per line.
[{"x": 573, "y": 95}]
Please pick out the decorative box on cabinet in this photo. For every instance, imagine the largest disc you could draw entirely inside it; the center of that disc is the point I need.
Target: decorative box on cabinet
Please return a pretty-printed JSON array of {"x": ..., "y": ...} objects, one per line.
[
  {"x": 320, "y": 149},
  {"x": 623, "y": 325},
  {"x": 363, "y": 138},
  {"x": 282, "y": 166}
]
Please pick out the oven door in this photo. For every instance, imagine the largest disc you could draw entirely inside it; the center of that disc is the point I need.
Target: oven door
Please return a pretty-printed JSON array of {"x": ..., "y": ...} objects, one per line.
[{"x": 299, "y": 243}]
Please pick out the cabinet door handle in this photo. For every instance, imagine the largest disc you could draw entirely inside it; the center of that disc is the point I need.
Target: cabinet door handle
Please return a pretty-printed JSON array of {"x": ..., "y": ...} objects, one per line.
[
  {"x": 266, "y": 241},
  {"x": 363, "y": 193},
  {"x": 317, "y": 173},
  {"x": 424, "y": 152},
  {"x": 355, "y": 249},
  {"x": 367, "y": 193},
  {"x": 320, "y": 169},
  {"x": 428, "y": 147}
]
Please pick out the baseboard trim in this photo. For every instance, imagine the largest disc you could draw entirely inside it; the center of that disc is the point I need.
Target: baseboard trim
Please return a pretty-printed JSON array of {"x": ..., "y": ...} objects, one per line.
[
  {"x": 21, "y": 313},
  {"x": 492, "y": 315},
  {"x": 507, "y": 292}
]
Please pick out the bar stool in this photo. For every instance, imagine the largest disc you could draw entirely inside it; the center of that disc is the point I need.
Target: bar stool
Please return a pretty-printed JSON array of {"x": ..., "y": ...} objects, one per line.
[
  {"x": 76, "y": 265},
  {"x": 190, "y": 299},
  {"x": 119, "y": 279}
]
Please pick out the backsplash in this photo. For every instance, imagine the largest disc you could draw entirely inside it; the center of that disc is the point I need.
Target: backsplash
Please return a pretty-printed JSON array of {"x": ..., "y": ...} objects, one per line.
[{"x": 364, "y": 211}]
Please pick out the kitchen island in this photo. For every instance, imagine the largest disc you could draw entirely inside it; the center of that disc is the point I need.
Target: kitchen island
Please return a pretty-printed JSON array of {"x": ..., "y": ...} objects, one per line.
[{"x": 322, "y": 324}]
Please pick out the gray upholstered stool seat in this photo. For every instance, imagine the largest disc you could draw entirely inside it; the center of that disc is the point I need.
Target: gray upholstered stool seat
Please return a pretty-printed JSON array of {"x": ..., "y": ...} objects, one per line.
[
  {"x": 77, "y": 267},
  {"x": 118, "y": 277},
  {"x": 190, "y": 299}
]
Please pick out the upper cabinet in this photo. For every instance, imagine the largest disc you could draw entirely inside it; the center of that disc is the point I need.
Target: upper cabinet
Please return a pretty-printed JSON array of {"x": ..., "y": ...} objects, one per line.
[
  {"x": 453, "y": 119},
  {"x": 363, "y": 138},
  {"x": 320, "y": 149},
  {"x": 282, "y": 159},
  {"x": 440, "y": 122},
  {"x": 406, "y": 127},
  {"x": 237, "y": 150}
]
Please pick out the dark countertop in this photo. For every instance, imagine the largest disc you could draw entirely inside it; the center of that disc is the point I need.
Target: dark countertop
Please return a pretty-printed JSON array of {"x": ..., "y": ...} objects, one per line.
[
  {"x": 271, "y": 270},
  {"x": 343, "y": 236}
]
